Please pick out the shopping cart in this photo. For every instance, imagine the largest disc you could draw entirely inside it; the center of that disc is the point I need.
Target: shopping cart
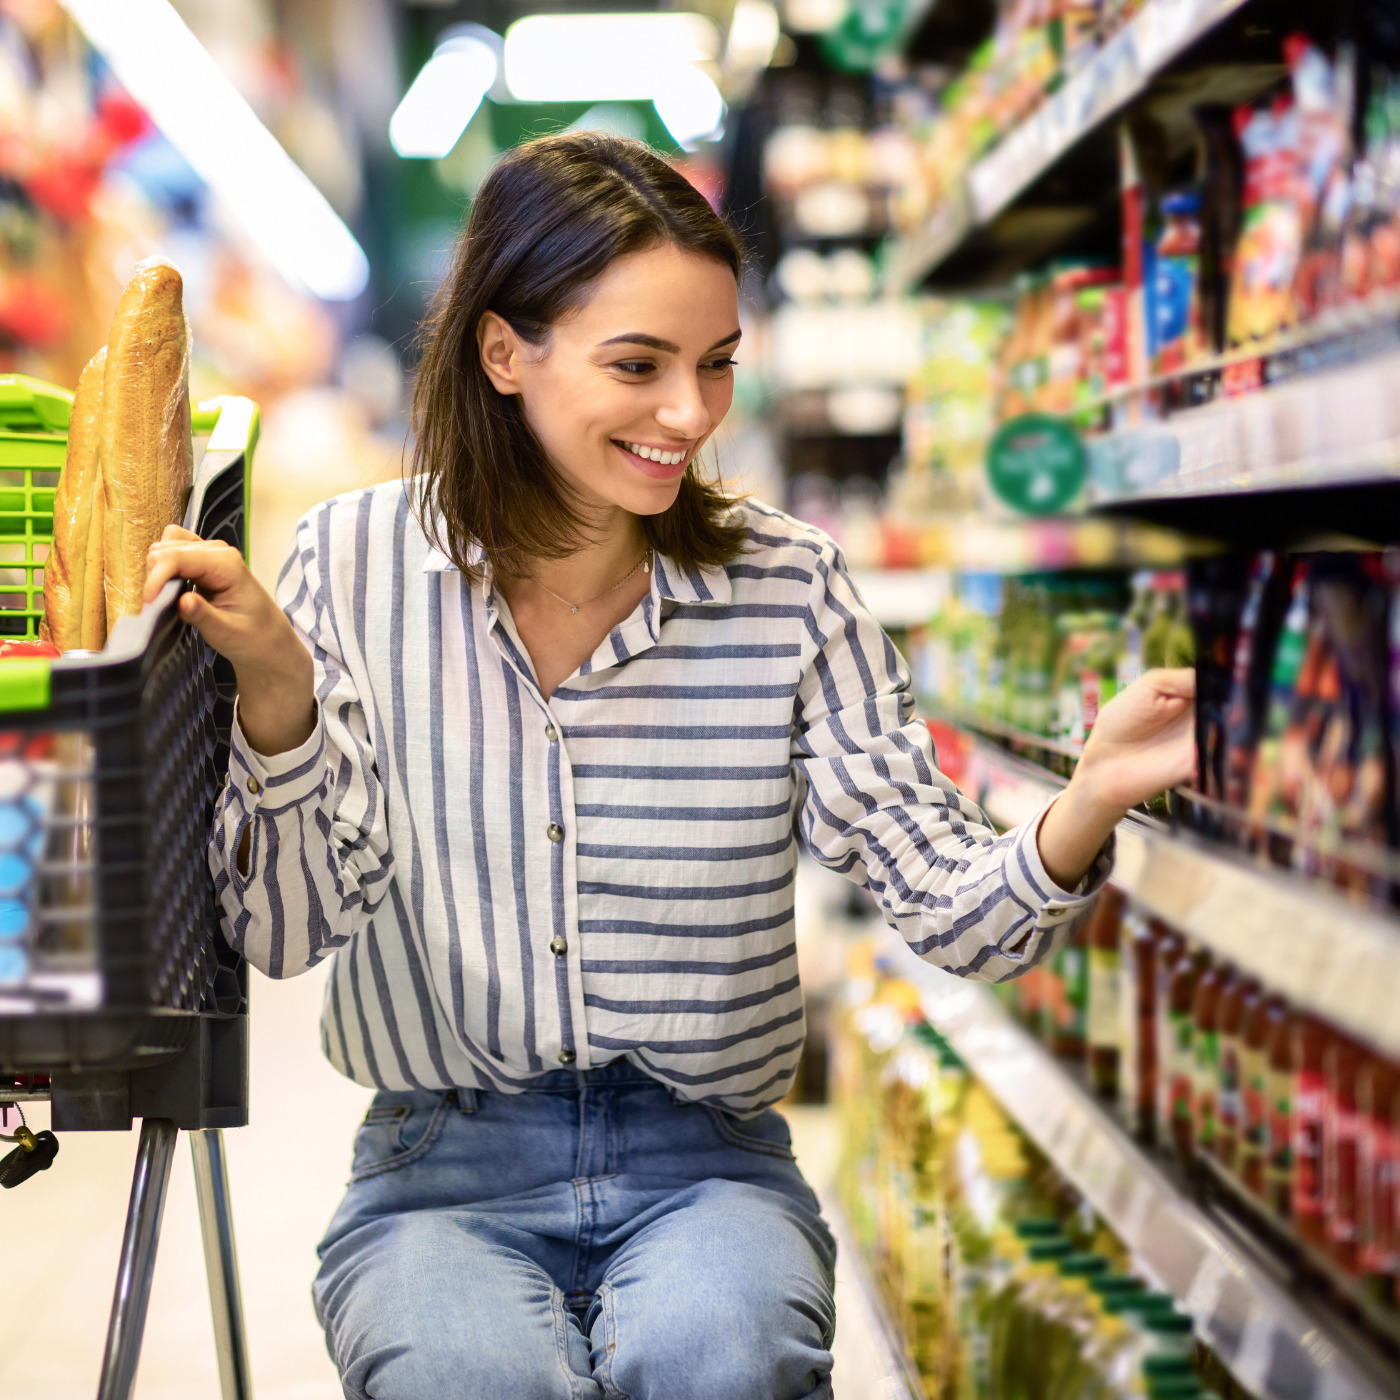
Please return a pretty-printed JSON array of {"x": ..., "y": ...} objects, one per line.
[{"x": 119, "y": 997}]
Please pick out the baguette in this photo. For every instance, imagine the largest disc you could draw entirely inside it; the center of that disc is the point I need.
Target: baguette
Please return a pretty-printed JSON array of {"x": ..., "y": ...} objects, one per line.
[
  {"x": 147, "y": 455},
  {"x": 74, "y": 595}
]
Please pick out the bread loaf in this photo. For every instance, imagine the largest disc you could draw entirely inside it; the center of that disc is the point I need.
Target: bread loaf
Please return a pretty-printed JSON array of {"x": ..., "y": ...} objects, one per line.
[
  {"x": 147, "y": 456},
  {"x": 74, "y": 595}
]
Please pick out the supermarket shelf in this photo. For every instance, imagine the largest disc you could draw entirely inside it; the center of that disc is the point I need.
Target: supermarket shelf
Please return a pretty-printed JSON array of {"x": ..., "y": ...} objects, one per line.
[
  {"x": 1340, "y": 428},
  {"x": 1326, "y": 953},
  {"x": 1281, "y": 1346},
  {"x": 1116, "y": 74}
]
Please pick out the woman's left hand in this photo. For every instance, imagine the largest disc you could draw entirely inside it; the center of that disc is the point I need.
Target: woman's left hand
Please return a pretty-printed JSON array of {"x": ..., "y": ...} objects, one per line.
[{"x": 1143, "y": 742}]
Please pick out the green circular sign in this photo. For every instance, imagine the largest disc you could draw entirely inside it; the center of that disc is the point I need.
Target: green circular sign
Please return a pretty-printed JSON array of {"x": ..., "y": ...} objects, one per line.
[{"x": 1036, "y": 463}]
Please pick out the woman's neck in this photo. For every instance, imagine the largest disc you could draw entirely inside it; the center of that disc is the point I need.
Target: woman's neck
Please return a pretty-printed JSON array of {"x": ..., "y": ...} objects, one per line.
[{"x": 608, "y": 557}]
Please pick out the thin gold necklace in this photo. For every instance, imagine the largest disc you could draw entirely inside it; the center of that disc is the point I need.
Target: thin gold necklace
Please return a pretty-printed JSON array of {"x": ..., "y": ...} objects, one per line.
[{"x": 643, "y": 563}]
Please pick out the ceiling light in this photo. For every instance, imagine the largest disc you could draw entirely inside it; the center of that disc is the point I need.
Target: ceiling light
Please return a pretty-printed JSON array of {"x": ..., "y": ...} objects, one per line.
[
  {"x": 185, "y": 93},
  {"x": 443, "y": 98},
  {"x": 602, "y": 58},
  {"x": 690, "y": 105},
  {"x": 753, "y": 34}
]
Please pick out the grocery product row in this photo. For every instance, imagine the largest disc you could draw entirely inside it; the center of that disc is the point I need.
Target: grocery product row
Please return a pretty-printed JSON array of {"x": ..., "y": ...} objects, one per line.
[
  {"x": 1297, "y": 701},
  {"x": 1139, "y": 1194}
]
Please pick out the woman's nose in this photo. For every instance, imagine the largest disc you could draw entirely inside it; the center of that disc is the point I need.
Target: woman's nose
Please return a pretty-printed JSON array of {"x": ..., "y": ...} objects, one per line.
[{"x": 683, "y": 411}]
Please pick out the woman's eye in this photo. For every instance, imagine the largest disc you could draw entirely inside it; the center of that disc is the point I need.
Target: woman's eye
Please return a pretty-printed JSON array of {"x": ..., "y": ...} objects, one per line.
[
  {"x": 635, "y": 366},
  {"x": 724, "y": 363}
]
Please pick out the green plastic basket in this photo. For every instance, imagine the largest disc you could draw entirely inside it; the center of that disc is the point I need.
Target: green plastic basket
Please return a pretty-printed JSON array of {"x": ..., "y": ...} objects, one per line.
[{"x": 33, "y": 443}]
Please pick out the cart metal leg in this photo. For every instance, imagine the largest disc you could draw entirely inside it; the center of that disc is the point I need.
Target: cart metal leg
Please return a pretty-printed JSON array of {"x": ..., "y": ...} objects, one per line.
[
  {"x": 221, "y": 1263},
  {"x": 138, "y": 1259}
]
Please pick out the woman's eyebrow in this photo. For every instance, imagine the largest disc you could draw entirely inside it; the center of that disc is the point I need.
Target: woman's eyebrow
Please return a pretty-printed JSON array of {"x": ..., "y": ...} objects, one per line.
[{"x": 653, "y": 342}]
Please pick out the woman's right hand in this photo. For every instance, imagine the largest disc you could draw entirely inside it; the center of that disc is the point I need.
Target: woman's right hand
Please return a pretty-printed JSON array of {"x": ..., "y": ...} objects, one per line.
[{"x": 239, "y": 618}]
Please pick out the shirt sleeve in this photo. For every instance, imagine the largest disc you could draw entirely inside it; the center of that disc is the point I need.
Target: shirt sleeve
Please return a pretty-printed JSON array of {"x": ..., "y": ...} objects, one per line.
[
  {"x": 318, "y": 862},
  {"x": 874, "y": 807}
]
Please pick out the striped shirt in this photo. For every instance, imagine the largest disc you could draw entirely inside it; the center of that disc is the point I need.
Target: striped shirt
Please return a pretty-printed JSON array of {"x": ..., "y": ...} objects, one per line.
[{"x": 506, "y": 883}]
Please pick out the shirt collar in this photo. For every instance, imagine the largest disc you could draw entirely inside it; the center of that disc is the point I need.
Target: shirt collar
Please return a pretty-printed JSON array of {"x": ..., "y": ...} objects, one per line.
[{"x": 710, "y": 585}]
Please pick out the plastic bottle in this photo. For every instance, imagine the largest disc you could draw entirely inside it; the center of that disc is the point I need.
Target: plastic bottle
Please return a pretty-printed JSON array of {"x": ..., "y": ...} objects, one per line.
[
  {"x": 1205, "y": 1039},
  {"x": 1137, "y": 1061},
  {"x": 1170, "y": 948},
  {"x": 1104, "y": 1018},
  {"x": 1341, "y": 1134},
  {"x": 1066, "y": 998},
  {"x": 1235, "y": 1002},
  {"x": 1278, "y": 1163},
  {"x": 1180, "y": 1069},
  {"x": 1135, "y": 623},
  {"x": 1254, "y": 1092},
  {"x": 1309, "y": 1126}
]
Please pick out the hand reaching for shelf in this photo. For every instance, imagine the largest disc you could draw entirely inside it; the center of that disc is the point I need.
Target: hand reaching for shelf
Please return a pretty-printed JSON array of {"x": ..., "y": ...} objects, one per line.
[{"x": 1143, "y": 741}]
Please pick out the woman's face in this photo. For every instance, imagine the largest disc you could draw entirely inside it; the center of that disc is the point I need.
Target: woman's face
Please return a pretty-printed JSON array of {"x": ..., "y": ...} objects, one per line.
[{"x": 631, "y": 384}]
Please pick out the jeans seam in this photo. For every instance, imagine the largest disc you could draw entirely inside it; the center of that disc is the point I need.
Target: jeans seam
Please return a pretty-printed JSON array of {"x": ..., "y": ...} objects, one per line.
[
  {"x": 607, "y": 1373},
  {"x": 561, "y": 1343},
  {"x": 741, "y": 1140},
  {"x": 421, "y": 1148}
]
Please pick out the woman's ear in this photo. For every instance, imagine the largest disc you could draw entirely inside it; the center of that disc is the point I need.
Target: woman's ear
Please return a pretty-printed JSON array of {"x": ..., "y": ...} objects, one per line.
[{"x": 501, "y": 351}]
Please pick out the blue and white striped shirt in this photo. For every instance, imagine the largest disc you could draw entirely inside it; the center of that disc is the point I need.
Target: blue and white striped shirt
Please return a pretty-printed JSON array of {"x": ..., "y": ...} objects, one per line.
[{"x": 507, "y": 883}]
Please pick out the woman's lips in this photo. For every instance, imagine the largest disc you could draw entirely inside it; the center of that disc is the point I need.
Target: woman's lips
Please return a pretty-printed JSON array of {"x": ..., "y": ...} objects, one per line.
[{"x": 658, "y": 471}]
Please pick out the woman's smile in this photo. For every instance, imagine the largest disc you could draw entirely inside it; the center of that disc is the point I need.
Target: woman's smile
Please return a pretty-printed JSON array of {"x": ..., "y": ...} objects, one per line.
[{"x": 661, "y": 463}]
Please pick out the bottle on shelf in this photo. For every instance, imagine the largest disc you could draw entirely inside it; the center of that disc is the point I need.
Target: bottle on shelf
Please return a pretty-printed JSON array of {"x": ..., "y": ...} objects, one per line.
[
  {"x": 1311, "y": 1039},
  {"x": 1105, "y": 1018},
  {"x": 1235, "y": 1003},
  {"x": 1279, "y": 1162},
  {"x": 1342, "y": 1061},
  {"x": 1254, "y": 1092}
]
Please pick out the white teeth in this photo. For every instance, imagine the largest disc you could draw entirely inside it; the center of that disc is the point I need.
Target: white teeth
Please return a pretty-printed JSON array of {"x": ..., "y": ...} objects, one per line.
[{"x": 655, "y": 454}]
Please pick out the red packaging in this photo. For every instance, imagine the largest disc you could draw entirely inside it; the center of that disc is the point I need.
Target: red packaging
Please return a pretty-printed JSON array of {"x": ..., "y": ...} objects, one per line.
[
  {"x": 1310, "y": 1038},
  {"x": 1377, "y": 1168},
  {"x": 1341, "y": 1130}
]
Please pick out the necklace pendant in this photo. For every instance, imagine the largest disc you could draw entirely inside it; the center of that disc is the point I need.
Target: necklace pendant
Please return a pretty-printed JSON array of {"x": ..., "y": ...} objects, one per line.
[{"x": 574, "y": 608}]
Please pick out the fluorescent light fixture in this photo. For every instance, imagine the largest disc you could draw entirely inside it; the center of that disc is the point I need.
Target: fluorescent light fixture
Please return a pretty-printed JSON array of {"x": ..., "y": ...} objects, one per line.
[
  {"x": 690, "y": 105},
  {"x": 753, "y": 34},
  {"x": 443, "y": 98},
  {"x": 603, "y": 58},
  {"x": 168, "y": 71}
]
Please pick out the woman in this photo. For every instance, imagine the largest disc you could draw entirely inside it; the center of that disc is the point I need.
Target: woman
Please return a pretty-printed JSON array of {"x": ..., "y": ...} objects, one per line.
[{"x": 528, "y": 747}]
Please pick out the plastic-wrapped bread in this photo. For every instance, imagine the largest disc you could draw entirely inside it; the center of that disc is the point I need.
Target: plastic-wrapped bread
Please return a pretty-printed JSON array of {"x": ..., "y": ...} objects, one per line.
[
  {"x": 147, "y": 456},
  {"x": 75, "y": 609}
]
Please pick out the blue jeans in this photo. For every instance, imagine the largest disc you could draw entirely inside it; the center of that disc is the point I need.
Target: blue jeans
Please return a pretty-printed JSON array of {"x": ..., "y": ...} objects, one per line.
[{"x": 591, "y": 1238}]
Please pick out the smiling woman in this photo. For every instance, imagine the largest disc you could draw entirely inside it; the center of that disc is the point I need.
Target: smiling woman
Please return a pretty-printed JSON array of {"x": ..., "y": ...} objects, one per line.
[
  {"x": 600, "y": 293},
  {"x": 528, "y": 750}
]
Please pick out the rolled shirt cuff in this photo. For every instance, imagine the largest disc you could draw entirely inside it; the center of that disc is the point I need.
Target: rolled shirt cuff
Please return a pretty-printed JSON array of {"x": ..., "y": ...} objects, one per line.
[
  {"x": 1031, "y": 882},
  {"x": 279, "y": 780}
]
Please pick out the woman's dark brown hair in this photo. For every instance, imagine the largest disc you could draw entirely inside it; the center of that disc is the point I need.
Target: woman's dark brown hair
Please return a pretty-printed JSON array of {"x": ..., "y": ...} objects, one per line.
[{"x": 545, "y": 225}]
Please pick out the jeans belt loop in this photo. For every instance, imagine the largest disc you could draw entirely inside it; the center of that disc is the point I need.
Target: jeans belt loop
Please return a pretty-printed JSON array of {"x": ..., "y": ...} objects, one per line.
[{"x": 466, "y": 1100}]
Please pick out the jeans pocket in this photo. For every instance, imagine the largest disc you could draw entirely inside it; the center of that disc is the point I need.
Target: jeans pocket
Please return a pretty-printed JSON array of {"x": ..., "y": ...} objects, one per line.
[
  {"x": 767, "y": 1134},
  {"x": 398, "y": 1129}
]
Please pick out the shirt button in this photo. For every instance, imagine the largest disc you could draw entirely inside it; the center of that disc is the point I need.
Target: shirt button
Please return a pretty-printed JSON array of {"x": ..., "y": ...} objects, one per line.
[
  {"x": 254, "y": 786},
  {"x": 567, "y": 1057},
  {"x": 555, "y": 832},
  {"x": 558, "y": 947},
  {"x": 551, "y": 733}
]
